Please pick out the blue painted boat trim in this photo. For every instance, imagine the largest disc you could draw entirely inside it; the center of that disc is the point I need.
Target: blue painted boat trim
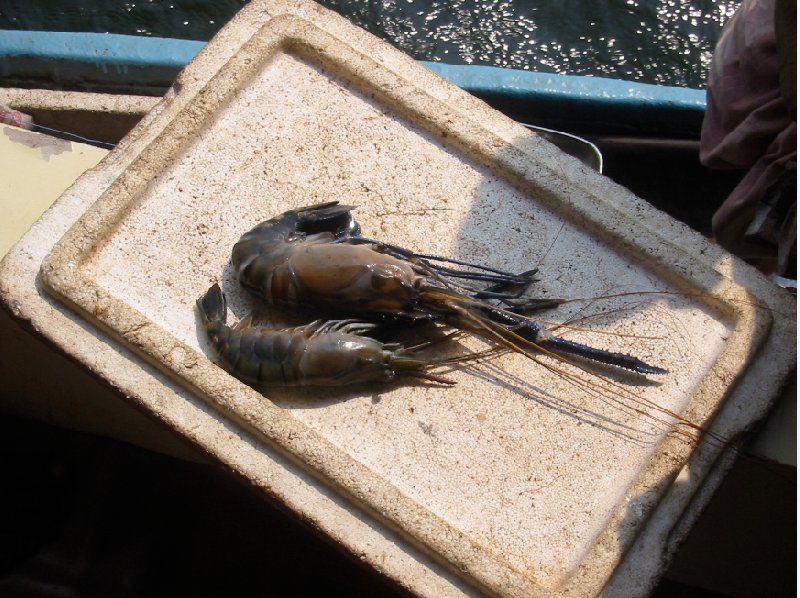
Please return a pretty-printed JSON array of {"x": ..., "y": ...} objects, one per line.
[
  {"x": 112, "y": 62},
  {"x": 102, "y": 49},
  {"x": 489, "y": 79},
  {"x": 97, "y": 61}
]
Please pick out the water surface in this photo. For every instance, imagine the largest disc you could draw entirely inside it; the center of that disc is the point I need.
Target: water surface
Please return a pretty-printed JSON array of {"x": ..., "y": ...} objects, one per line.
[{"x": 668, "y": 42}]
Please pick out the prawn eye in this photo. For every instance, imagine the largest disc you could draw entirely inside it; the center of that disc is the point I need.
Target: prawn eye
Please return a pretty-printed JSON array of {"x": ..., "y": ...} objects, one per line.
[
  {"x": 388, "y": 277},
  {"x": 380, "y": 280}
]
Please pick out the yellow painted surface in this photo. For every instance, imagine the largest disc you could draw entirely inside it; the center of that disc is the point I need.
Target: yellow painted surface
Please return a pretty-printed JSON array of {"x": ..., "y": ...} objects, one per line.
[{"x": 36, "y": 169}]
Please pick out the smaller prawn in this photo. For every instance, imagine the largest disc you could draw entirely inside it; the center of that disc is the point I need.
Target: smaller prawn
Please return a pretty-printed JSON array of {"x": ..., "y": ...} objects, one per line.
[{"x": 322, "y": 353}]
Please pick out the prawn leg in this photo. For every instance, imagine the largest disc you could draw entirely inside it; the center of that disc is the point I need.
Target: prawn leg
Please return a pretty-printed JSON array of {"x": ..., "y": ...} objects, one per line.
[{"x": 328, "y": 217}]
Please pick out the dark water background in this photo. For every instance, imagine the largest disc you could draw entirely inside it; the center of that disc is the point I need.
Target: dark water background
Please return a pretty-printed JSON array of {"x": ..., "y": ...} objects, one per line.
[{"x": 653, "y": 41}]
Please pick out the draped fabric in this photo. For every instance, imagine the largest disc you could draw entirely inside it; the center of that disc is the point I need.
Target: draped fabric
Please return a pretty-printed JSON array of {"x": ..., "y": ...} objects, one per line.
[{"x": 750, "y": 125}]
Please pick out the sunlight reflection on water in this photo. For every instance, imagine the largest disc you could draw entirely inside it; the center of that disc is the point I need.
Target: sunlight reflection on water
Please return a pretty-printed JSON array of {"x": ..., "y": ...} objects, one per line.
[
  {"x": 653, "y": 41},
  {"x": 666, "y": 41}
]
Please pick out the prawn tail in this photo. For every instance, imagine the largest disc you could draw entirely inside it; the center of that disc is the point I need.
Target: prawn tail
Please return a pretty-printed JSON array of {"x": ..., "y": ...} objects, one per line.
[
  {"x": 330, "y": 217},
  {"x": 212, "y": 306},
  {"x": 213, "y": 315}
]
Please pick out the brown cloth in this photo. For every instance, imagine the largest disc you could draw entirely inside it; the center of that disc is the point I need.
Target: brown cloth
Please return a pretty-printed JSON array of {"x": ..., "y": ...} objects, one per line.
[{"x": 749, "y": 124}]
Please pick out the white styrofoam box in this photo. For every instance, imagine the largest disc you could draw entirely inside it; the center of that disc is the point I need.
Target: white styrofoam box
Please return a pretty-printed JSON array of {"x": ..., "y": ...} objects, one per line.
[{"x": 525, "y": 478}]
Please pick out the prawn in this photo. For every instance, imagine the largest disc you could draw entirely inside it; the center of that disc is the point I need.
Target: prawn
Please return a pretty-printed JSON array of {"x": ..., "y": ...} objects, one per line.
[
  {"x": 322, "y": 353},
  {"x": 315, "y": 257}
]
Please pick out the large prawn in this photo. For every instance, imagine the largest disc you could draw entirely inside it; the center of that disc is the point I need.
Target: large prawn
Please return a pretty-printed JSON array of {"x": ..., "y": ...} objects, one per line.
[
  {"x": 322, "y": 353},
  {"x": 315, "y": 257}
]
